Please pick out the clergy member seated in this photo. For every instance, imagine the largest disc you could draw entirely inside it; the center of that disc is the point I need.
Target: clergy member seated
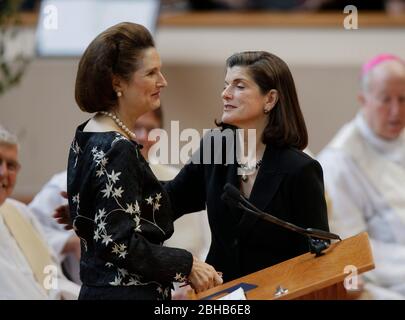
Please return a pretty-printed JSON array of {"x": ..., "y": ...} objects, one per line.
[
  {"x": 364, "y": 172},
  {"x": 27, "y": 265}
]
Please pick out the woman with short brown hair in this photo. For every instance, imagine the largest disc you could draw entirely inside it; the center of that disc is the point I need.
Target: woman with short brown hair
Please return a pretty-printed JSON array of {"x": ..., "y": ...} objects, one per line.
[{"x": 119, "y": 209}]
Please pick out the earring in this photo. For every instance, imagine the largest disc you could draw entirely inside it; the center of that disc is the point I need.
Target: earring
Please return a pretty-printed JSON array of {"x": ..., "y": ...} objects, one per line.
[
  {"x": 266, "y": 111},
  {"x": 119, "y": 93}
]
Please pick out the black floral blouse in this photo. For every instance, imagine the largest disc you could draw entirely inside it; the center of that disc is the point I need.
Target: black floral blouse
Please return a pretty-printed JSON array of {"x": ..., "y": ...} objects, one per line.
[{"x": 122, "y": 214}]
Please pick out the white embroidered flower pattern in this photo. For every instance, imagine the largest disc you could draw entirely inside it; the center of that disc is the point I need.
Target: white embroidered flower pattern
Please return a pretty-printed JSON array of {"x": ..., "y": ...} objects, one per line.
[
  {"x": 149, "y": 200},
  {"x": 76, "y": 150},
  {"x": 154, "y": 202},
  {"x": 106, "y": 239},
  {"x": 180, "y": 277},
  {"x": 117, "y": 138},
  {"x": 125, "y": 278},
  {"x": 107, "y": 191},
  {"x": 120, "y": 250},
  {"x": 114, "y": 176},
  {"x": 97, "y": 235},
  {"x": 163, "y": 291},
  {"x": 134, "y": 210},
  {"x": 117, "y": 192},
  {"x": 76, "y": 199},
  {"x": 114, "y": 192},
  {"x": 99, "y": 173}
]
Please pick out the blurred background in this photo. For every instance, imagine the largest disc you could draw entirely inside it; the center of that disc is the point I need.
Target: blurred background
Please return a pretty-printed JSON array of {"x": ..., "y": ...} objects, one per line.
[{"x": 41, "y": 43}]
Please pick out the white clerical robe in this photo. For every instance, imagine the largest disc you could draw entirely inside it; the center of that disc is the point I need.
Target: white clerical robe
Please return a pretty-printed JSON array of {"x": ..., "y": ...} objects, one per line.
[
  {"x": 17, "y": 280},
  {"x": 365, "y": 178},
  {"x": 43, "y": 206}
]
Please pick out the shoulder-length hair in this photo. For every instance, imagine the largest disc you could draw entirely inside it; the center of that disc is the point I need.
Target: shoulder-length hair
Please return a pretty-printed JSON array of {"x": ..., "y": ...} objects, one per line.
[{"x": 286, "y": 125}]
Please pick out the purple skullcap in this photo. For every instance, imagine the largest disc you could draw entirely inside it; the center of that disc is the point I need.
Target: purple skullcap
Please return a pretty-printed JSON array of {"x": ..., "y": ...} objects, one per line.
[{"x": 370, "y": 64}]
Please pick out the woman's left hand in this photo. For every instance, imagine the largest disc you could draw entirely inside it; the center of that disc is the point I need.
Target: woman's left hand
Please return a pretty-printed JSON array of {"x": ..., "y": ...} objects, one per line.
[{"x": 62, "y": 214}]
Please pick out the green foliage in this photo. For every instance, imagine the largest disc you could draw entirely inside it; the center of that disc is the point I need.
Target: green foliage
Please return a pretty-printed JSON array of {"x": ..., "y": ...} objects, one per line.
[{"x": 10, "y": 71}]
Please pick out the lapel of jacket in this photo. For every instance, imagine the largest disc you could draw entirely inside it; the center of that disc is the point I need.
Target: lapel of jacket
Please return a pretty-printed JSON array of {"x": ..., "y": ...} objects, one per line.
[
  {"x": 232, "y": 178},
  {"x": 267, "y": 182}
]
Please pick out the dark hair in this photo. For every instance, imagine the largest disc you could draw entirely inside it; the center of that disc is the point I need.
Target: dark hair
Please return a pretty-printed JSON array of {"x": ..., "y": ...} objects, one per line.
[
  {"x": 286, "y": 125},
  {"x": 116, "y": 51}
]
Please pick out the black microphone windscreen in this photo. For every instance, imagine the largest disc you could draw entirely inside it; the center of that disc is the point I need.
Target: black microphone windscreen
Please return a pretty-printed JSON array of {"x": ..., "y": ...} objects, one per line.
[
  {"x": 232, "y": 191},
  {"x": 229, "y": 201}
]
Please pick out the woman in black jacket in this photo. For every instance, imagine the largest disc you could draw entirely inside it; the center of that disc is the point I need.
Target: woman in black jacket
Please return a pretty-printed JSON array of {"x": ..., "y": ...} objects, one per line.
[{"x": 260, "y": 94}]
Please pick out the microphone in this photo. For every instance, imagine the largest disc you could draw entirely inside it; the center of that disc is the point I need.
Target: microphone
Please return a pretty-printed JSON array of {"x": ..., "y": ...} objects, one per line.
[{"x": 316, "y": 237}]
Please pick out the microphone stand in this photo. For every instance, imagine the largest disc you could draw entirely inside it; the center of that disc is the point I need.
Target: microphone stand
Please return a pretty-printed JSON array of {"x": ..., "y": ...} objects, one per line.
[{"x": 318, "y": 240}]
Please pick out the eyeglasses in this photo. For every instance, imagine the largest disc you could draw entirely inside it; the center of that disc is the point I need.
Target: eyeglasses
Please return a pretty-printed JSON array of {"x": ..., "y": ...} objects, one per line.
[{"x": 11, "y": 165}]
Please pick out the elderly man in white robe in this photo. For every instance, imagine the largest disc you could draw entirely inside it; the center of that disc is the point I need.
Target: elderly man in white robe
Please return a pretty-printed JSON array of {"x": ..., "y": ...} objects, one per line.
[
  {"x": 28, "y": 267},
  {"x": 364, "y": 170}
]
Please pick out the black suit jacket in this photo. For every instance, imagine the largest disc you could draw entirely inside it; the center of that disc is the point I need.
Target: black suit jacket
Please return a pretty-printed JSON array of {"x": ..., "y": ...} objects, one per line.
[{"x": 289, "y": 185}]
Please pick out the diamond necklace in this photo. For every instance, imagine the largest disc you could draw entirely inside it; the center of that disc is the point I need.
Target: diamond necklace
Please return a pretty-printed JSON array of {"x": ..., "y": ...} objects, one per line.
[{"x": 246, "y": 167}]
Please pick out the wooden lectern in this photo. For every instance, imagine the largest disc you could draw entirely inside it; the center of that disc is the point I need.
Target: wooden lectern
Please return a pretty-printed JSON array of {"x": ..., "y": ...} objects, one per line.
[{"x": 305, "y": 276}]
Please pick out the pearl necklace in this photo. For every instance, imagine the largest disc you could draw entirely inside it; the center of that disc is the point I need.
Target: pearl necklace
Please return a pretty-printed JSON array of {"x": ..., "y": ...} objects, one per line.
[
  {"x": 120, "y": 124},
  {"x": 249, "y": 168}
]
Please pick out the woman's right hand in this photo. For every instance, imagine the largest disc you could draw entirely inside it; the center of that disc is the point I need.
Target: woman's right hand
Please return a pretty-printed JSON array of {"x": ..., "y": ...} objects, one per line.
[{"x": 203, "y": 276}]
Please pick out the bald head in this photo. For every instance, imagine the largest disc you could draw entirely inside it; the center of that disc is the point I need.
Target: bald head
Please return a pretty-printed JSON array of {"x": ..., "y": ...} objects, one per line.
[
  {"x": 383, "y": 98},
  {"x": 389, "y": 68}
]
